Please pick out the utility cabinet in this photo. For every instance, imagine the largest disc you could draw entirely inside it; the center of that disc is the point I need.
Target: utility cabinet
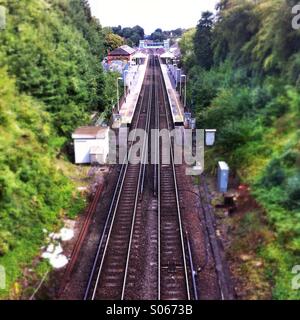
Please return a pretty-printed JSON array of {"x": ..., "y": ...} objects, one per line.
[
  {"x": 223, "y": 176},
  {"x": 210, "y": 136}
]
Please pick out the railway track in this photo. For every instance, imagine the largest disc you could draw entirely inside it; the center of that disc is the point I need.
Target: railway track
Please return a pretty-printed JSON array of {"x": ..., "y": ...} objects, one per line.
[
  {"x": 108, "y": 276},
  {"x": 173, "y": 269},
  {"x": 113, "y": 275}
]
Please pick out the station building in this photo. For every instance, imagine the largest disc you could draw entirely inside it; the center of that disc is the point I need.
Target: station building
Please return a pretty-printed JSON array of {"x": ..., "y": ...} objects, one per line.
[{"x": 123, "y": 53}]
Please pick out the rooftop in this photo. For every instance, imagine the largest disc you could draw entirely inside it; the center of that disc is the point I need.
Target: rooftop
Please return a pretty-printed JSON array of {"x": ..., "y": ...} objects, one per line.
[
  {"x": 123, "y": 50},
  {"x": 90, "y": 132},
  {"x": 168, "y": 54}
]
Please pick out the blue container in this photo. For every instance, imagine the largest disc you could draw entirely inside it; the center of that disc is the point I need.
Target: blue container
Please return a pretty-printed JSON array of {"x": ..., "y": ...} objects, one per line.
[{"x": 223, "y": 176}]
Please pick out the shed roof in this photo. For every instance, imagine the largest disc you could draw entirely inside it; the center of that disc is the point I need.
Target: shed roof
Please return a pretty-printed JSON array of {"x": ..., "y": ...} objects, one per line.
[
  {"x": 90, "y": 132},
  {"x": 123, "y": 50}
]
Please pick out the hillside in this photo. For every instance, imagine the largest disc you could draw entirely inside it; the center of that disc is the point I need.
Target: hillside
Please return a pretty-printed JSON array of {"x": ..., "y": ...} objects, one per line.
[
  {"x": 50, "y": 81},
  {"x": 244, "y": 80}
]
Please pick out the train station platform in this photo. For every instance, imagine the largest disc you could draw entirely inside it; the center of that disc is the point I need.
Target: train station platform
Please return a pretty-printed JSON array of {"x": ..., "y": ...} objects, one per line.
[
  {"x": 177, "y": 108},
  {"x": 136, "y": 78}
]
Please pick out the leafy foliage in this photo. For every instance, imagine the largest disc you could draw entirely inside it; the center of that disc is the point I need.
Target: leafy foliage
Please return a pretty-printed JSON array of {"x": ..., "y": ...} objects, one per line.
[
  {"x": 113, "y": 41},
  {"x": 131, "y": 35},
  {"x": 33, "y": 192},
  {"x": 203, "y": 40},
  {"x": 51, "y": 79},
  {"x": 249, "y": 92},
  {"x": 187, "y": 47},
  {"x": 55, "y": 57}
]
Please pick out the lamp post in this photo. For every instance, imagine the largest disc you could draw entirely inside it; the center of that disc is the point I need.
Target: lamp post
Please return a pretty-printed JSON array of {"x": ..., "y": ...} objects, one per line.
[
  {"x": 118, "y": 95},
  {"x": 125, "y": 78},
  {"x": 174, "y": 68},
  {"x": 183, "y": 76},
  {"x": 178, "y": 71}
]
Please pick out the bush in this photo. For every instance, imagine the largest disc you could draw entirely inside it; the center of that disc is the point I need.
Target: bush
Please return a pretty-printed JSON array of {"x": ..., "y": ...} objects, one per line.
[
  {"x": 274, "y": 110},
  {"x": 274, "y": 175},
  {"x": 293, "y": 193},
  {"x": 290, "y": 158},
  {"x": 261, "y": 96},
  {"x": 293, "y": 70}
]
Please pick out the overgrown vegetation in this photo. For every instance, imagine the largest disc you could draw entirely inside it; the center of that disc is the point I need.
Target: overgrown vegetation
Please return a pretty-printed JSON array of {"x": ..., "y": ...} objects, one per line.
[
  {"x": 50, "y": 81},
  {"x": 244, "y": 81}
]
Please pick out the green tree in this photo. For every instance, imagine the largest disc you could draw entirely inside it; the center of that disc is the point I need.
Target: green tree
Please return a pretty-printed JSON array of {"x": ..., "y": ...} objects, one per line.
[
  {"x": 203, "y": 40},
  {"x": 187, "y": 48},
  {"x": 131, "y": 35},
  {"x": 113, "y": 41},
  {"x": 158, "y": 35}
]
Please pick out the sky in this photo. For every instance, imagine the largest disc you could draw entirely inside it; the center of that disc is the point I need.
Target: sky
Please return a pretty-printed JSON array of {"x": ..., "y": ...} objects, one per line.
[{"x": 151, "y": 14}]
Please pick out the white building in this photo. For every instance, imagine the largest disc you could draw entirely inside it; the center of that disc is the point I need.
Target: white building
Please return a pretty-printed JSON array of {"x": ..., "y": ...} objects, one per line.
[{"x": 91, "y": 144}]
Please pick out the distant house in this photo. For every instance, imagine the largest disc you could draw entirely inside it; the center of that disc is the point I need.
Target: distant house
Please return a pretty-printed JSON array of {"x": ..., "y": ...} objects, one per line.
[
  {"x": 123, "y": 53},
  {"x": 91, "y": 144}
]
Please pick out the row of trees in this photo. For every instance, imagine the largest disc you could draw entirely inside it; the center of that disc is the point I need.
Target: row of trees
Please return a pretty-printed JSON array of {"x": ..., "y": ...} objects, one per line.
[
  {"x": 254, "y": 30},
  {"x": 244, "y": 80},
  {"x": 131, "y": 35},
  {"x": 159, "y": 35}
]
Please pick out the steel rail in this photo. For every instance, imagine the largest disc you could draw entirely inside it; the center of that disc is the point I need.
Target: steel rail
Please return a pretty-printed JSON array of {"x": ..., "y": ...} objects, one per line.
[
  {"x": 176, "y": 191},
  {"x": 110, "y": 229},
  {"x": 193, "y": 271},
  {"x": 117, "y": 194},
  {"x": 144, "y": 161},
  {"x": 157, "y": 190},
  {"x": 81, "y": 237},
  {"x": 140, "y": 182}
]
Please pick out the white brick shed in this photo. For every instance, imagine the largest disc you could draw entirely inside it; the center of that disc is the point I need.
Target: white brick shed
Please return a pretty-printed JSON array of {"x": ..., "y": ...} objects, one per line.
[{"x": 91, "y": 144}]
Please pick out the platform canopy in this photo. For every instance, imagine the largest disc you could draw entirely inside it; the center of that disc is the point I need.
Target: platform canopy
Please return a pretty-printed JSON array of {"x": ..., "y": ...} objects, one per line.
[
  {"x": 139, "y": 55},
  {"x": 167, "y": 55}
]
